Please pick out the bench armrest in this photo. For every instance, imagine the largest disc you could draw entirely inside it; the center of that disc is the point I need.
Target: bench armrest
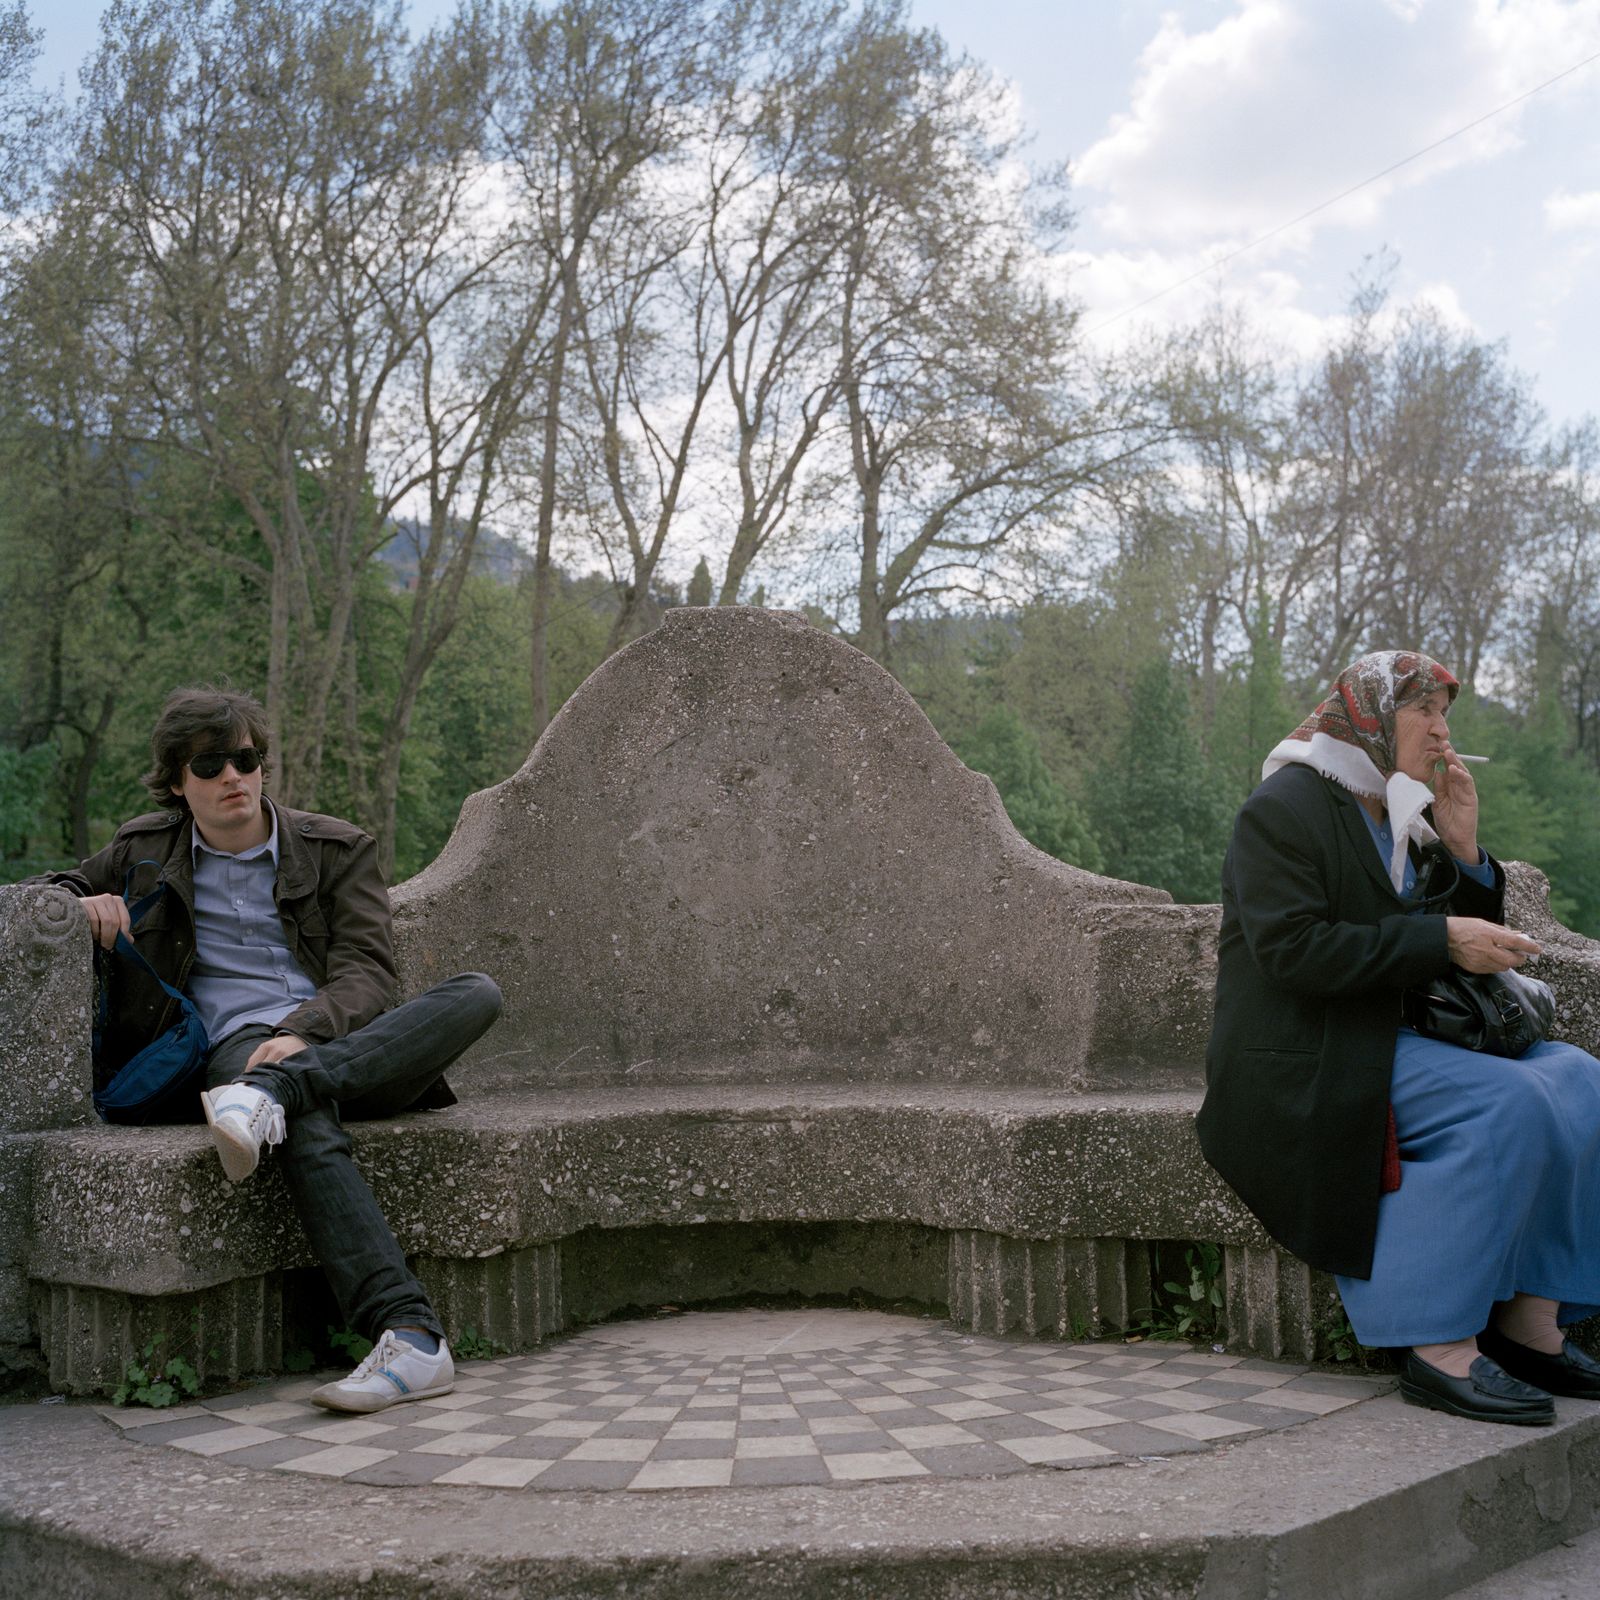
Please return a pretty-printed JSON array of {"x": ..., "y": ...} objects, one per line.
[{"x": 46, "y": 1009}]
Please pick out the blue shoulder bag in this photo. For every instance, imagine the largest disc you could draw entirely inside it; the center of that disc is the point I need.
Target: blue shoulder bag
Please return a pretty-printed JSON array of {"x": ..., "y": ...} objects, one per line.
[{"x": 163, "y": 1082}]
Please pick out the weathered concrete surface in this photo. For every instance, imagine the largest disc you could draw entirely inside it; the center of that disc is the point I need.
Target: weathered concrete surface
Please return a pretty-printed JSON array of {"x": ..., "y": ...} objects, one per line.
[
  {"x": 1568, "y": 1572},
  {"x": 605, "y": 1271},
  {"x": 742, "y": 851},
  {"x": 495, "y": 1174},
  {"x": 1570, "y": 963},
  {"x": 46, "y": 998},
  {"x": 1378, "y": 1502},
  {"x": 772, "y": 957},
  {"x": 1063, "y": 1287},
  {"x": 46, "y": 995},
  {"x": 19, "y": 1353},
  {"x": 489, "y": 1180},
  {"x": 230, "y": 1331}
]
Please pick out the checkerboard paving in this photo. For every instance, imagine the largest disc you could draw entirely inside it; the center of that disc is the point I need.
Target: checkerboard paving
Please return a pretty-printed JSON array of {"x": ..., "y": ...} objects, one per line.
[{"x": 591, "y": 1413}]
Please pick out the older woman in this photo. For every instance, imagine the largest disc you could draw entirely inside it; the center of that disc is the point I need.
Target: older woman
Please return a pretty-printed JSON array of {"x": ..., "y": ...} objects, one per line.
[{"x": 1456, "y": 1196}]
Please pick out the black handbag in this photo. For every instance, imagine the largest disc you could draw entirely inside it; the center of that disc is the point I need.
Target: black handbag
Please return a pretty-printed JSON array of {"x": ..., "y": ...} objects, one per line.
[{"x": 1497, "y": 1013}]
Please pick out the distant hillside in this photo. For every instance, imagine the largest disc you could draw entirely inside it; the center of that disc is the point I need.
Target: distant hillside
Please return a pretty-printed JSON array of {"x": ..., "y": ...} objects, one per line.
[{"x": 495, "y": 555}]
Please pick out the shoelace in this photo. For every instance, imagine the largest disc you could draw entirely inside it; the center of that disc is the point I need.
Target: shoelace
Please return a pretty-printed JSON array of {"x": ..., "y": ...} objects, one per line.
[
  {"x": 264, "y": 1123},
  {"x": 272, "y": 1113},
  {"x": 384, "y": 1351}
]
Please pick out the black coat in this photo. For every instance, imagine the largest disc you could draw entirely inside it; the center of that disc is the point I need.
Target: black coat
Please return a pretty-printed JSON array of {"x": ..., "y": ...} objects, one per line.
[{"x": 1315, "y": 951}]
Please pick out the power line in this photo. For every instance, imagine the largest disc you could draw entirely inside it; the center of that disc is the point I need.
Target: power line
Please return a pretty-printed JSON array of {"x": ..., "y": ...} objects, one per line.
[{"x": 1344, "y": 194}]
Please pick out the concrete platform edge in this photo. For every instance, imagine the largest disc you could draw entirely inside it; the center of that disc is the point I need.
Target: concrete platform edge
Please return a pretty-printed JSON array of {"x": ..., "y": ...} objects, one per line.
[{"x": 1381, "y": 1502}]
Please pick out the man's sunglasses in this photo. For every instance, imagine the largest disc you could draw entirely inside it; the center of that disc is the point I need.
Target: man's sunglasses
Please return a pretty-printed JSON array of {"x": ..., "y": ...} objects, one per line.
[{"x": 245, "y": 760}]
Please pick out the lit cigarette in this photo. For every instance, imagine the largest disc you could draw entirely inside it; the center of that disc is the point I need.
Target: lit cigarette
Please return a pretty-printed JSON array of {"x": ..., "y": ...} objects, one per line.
[{"x": 1472, "y": 761}]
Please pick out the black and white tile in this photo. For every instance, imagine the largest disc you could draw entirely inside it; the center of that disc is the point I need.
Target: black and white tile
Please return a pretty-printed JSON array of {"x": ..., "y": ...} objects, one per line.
[{"x": 750, "y": 1398}]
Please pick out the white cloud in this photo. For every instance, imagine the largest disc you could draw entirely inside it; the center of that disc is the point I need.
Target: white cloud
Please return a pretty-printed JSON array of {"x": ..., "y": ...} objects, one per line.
[
  {"x": 1236, "y": 128},
  {"x": 1445, "y": 301},
  {"x": 1231, "y": 128},
  {"x": 1564, "y": 212},
  {"x": 1108, "y": 283}
]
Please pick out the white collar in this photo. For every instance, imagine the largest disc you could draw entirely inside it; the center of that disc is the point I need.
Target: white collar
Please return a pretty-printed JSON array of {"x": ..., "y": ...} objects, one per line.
[{"x": 1355, "y": 770}]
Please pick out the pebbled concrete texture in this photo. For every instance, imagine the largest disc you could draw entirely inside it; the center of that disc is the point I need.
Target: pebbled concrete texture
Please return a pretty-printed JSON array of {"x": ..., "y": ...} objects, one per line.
[
  {"x": 1570, "y": 963},
  {"x": 500, "y": 1172},
  {"x": 46, "y": 999},
  {"x": 742, "y": 850},
  {"x": 526, "y": 1214},
  {"x": 1376, "y": 1501}
]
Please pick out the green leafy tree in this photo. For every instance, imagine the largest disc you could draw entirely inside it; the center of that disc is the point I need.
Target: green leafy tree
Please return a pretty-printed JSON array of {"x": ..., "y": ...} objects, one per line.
[
  {"x": 1514, "y": 821},
  {"x": 700, "y": 584},
  {"x": 1004, "y": 747},
  {"x": 1252, "y": 712},
  {"x": 471, "y": 725},
  {"x": 1539, "y": 799},
  {"x": 1155, "y": 806}
]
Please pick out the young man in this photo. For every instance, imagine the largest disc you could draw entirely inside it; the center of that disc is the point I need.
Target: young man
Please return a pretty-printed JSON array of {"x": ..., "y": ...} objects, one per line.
[{"x": 276, "y": 923}]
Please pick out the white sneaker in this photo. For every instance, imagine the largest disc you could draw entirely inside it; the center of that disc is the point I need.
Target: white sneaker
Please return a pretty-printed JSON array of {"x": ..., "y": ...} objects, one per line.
[
  {"x": 392, "y": 1372},
  {"x": 241, "y": 1119}
]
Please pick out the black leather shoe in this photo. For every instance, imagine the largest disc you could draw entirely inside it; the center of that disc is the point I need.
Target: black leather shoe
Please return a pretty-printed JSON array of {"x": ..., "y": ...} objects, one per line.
[
  {"x": 1572, "y": 1373},
  {"x": 1487, "y": 1395}
]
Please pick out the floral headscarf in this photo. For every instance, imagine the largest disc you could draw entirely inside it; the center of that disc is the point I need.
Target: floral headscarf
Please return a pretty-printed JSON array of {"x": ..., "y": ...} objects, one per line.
[{"x": 1350, "y": 739}]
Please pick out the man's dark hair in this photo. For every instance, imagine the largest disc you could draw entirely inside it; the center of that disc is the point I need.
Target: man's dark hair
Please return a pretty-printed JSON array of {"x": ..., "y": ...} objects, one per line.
[{"x": 195, "y": 719}]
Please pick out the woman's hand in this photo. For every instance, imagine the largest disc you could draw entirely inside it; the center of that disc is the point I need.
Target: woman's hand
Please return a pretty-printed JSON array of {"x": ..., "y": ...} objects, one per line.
[
  {"x": 1455, "y": 809},
  {"x": 1479, "y": 946}
]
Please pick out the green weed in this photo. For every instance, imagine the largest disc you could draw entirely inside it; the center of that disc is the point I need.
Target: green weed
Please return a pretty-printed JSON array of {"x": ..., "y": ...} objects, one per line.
[
  {"x": 152, "y": 1382},
  {"x": 471, "y": 1345},
  {"x": 347, "y": 1340},
  {"x": 1190, "y": 1309}
]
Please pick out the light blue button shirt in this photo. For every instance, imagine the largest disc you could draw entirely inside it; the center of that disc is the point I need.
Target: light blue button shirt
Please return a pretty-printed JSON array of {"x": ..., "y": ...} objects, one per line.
[
  {"x": 1383, "y": 836},
  {"x": 243, "y": 971}
]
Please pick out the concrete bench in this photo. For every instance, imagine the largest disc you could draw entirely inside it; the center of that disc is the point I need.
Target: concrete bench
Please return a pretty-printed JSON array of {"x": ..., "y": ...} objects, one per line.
[{"x": 791, "y": 1009}]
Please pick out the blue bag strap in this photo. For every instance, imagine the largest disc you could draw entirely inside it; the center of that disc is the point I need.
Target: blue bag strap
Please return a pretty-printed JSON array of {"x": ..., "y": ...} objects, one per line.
[
  {"x": 126, "y": 947},
  {"x": 138, "y": 908}
]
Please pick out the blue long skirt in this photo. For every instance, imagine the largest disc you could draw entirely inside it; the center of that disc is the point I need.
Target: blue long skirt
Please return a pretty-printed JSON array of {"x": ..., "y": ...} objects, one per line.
[{"x": 1499, "y": 1192}]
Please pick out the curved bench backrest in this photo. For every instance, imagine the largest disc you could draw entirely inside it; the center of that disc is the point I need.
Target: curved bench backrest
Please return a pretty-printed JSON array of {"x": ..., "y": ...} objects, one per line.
[{"x": 742, "y": 850}]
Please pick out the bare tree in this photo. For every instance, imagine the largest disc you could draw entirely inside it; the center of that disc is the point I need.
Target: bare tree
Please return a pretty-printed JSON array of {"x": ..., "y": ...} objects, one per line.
[
  {"x": 298, "y": 198},
  {"x": 1231, "y": 420},
  {"x": 968, "y": 412},
  {"x": 591, "y": 95},
  {"x": 714, "y": 284},
  {"x": 25, "y": 115},
  {"x": 1416, "y": 483},
  {"x": 778, "y": 274},
  {"x": 652, "y": 351}
]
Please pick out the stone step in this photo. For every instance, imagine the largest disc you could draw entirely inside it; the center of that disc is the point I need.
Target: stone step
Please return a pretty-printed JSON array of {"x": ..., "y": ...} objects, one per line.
[
  {"x": 1375, "y": 1501},
  {"x": 1571, "y": 1571}
]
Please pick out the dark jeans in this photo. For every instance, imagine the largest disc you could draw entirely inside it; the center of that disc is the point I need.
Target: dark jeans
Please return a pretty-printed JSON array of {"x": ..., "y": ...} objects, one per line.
[{"x": 377, "y": 1071}]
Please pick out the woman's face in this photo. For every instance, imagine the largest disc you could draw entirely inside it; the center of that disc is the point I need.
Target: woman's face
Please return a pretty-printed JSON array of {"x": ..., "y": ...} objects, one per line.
[{"x": 1421, "y": 735}]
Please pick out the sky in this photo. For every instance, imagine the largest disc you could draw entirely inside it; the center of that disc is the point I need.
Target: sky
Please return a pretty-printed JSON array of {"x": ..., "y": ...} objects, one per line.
[{"x": 1194, "y": 127}]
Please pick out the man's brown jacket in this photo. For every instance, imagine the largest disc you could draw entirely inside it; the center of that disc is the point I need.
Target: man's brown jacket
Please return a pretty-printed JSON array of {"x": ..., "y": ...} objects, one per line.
[{"x": 330, "y": 895}]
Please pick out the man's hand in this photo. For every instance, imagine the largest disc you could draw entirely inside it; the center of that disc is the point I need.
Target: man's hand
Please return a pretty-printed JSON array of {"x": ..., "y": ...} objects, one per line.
[
  {"x": 108, "y": 916},
  {"x": 1479, "y": 946},
  {"x": 275, "y": 1049}
]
